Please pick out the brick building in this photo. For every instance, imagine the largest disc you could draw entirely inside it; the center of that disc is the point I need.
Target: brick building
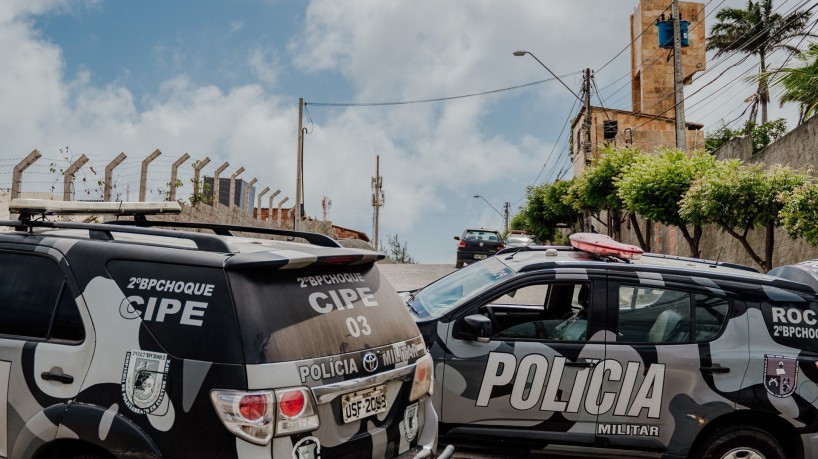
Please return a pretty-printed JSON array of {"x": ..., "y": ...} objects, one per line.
[{"x": 650, "y": 123}]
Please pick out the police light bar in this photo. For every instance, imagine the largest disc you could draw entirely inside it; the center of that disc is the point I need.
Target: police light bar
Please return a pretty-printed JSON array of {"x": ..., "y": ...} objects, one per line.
[
  {"x": 599, "y": 244},
  {"x": 47, "y": 207}
]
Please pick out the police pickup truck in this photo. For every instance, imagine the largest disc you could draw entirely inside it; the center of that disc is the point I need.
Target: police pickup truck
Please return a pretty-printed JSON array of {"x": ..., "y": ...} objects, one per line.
[
  {"x": 133, "y": 341},
  {"x": 600, "y": 350}
]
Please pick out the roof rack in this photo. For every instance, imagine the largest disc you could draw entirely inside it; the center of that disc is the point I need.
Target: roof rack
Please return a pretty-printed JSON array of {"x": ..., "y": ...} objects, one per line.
[
  {"x": 103, "y": 231},
  {"x": 723, "y": 264},
  {"x": 228, "y": 230},
  {"x": 30, "y": 208}
]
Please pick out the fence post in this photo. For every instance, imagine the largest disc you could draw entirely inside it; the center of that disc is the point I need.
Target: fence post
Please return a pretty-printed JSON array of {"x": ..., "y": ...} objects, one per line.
[
  {"x": 69, "y": 176},
  {"x": 196, "y": 171},
  {"x": 233, "y": 187},
  {"x": 270, "y": 206},
  {"x": 173, "y": 169},
  {"x": 248, "y": 206},
  {"x": 216, "y": 183},
  {"x": 143, "y": 177},
  {"x": 258, "y": 212},
  {"x": 17, "y": 175},
  {"x": 109, "y": 174},
  {"x": 281, "y": 203}
]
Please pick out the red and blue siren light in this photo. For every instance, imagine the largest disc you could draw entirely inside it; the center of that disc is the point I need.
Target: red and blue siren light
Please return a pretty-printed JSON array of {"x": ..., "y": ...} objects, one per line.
[{"x": 602, "y": 245}]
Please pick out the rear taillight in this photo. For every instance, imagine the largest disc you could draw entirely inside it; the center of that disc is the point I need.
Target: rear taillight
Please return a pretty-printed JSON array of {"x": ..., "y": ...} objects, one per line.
[
  {"x": 248, "y": 415},
  {"x": 259, "y": 416},
  {"x": 295, "y": 411},
  {"x": 500, "y": 246},
  {"x": 462, "y": 244},
  {"x": 253, "y": 407},
  {"x": 424, "y": 374}
]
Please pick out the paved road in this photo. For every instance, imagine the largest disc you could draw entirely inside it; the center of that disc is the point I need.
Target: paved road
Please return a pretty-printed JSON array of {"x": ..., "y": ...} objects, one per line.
[{"x": 410, "y": 277}]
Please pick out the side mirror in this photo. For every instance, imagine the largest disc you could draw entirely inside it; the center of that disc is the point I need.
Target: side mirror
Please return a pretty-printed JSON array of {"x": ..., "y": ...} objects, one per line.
[
  {"x": 457, "y": 238},
  {"x": 479, "y": 327}
]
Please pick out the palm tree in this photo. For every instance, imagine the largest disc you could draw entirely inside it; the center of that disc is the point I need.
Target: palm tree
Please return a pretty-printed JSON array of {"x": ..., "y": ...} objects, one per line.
[
  {"x": 800, "y": 84},
  {"x": 758, "y": 31}
]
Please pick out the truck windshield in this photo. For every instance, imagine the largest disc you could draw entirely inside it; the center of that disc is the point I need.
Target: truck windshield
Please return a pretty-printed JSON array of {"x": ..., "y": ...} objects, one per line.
[{"x": 451, "y": 291}]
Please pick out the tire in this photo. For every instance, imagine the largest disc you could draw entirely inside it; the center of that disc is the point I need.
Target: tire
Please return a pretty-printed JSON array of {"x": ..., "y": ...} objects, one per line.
[
  {"x": 740, "y": 442},
  {"x": 458, "y": 264}
]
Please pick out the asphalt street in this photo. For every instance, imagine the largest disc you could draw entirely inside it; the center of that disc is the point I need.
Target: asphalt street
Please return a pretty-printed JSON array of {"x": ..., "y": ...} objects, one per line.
[{"x": 412, "y": 276}]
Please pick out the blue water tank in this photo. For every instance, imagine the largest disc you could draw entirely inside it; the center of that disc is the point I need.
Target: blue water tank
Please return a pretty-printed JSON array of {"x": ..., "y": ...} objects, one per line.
[{"x": 666, "y": 33}]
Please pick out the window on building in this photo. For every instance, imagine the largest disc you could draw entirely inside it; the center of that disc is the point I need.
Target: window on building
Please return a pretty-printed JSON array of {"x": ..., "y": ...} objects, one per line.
[{"x": 610, "y": 128}]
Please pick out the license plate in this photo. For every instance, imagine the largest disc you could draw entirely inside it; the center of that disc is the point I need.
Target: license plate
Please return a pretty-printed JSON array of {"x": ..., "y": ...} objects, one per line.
[
  {"x": 358, "y": 405},
  {"x": 480, "y": 257}
]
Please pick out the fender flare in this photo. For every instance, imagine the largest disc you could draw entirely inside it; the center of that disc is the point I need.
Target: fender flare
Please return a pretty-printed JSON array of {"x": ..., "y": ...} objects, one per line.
[{"x": 106, "y": 428}]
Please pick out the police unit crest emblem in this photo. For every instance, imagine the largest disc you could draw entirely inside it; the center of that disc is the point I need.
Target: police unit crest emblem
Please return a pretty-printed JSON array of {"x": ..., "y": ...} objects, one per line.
[
  {"x": 780, "y": 375},
  {"x": 144, "y": 376},
  {"x": 410, "y": 421}
]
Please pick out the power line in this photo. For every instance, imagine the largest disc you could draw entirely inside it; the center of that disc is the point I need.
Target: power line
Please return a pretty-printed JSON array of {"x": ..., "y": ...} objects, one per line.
[{"x": 438, "y": 99}]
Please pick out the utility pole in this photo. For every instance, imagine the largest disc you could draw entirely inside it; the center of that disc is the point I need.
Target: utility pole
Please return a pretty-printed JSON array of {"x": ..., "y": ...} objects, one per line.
[
  {"x": 299, "y": 166},
  {"x": 679, "y": 94},
  {"x": 378, "y": 198},
  {"x": 505, "y": 215},
  {"x": 586, "y": 88},
  {"x": 325, "y": 205}
]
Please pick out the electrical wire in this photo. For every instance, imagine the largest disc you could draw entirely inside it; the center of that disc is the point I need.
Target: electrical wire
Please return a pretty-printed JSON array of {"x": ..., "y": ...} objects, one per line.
[{"x": 438, "y": 99}]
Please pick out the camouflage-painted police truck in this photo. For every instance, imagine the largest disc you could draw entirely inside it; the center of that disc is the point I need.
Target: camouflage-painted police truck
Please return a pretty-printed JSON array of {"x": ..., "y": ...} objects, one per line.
[
  {"x": 134, "y": 341},
  {"x": 599, "y": 351}
]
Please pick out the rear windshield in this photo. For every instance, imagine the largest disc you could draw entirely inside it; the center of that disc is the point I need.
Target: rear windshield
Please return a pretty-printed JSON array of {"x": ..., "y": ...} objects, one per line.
[
  {"x": 481, "y": 235},
  {"x": 300, "y": 314}
]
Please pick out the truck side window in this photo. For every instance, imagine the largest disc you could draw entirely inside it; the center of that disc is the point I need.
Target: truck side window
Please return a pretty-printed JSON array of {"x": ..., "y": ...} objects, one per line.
[
  {"x": 67, "y": 324},
  {"x": 658, "y": 315},
  {"x": 551, "y": 312},
  {"x": 30, "y": 286}
]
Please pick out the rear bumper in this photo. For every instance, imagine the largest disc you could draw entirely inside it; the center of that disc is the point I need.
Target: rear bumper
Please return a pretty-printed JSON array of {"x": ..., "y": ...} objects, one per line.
[{"x": 473, "y": 256}]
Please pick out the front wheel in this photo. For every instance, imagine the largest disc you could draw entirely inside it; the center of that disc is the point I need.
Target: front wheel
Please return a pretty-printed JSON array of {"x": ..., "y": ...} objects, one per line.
[{"x": 740, "y": 442}]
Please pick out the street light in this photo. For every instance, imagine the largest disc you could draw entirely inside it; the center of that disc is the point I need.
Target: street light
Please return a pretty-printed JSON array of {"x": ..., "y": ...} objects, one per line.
[
  {"x": 505, "y": 216},
  {"x": 523, "y": 53}
]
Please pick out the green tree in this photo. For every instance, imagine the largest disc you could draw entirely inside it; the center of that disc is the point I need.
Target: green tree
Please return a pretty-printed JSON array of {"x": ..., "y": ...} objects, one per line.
[
  {"x": 800, "y": 213},
  {"x": 741, "y": 197},
  {"x": 800, "y": 84},
  {"x": 654, "y": 185},
  {"x": 395, "y": 251},
  {"x": 757, "y": 31},
  {"x": 762, "y": 135},
  {"x": 541, "y": 220},
  {"x": 546, "y": 210},
  {"x": 595, "y": 189}
]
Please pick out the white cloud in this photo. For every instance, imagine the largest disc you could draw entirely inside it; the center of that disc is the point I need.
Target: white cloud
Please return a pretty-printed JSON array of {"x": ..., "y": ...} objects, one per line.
[
  {"x": 264, "y": 65},
  {"x": 235, "y": 26},
  {"x": 434, "y": 156}
]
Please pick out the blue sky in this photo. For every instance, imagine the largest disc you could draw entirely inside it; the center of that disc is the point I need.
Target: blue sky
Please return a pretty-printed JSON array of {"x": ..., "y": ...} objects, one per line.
[{"x": 222, "y": 79}]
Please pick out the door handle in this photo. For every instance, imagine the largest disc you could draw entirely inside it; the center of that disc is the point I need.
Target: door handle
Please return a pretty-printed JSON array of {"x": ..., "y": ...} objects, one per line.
[
  {"x": 580, "y": 364},
  {"x": 59, "y": 377},
  {"x": 714, "y": 370}
]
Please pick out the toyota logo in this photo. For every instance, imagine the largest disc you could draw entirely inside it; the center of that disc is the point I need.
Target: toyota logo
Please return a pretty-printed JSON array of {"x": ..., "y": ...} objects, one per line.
[{"x": 370, "y": 361}]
